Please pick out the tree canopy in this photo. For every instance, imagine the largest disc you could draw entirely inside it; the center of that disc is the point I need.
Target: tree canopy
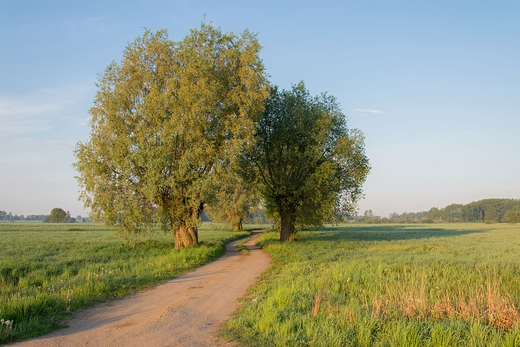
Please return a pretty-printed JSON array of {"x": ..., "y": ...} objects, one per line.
[
  {"x": 164, "y": 123},
  {"x": 58, "y": 215},
  {"x": 233, "y": 201},
  {"x": 307, "y": 163}
]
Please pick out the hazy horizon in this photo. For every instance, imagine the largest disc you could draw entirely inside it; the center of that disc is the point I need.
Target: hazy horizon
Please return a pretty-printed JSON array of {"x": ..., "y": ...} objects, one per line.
[
  {"x": 360, "y": 212},
  {"x": 434, "y": 88}
]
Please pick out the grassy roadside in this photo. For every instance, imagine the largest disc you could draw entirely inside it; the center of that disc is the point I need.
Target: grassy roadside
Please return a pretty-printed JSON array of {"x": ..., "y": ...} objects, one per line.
[
  {"x": 48, "y": 271},
  {"x": 415, "y": 285},
  {"x": 241, "y": 245}
]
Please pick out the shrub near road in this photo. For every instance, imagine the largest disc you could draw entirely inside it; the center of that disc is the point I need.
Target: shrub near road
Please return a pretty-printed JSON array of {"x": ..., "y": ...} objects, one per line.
[
  {"x": 420, "y": 285},
  {"x": 49, "y": 270}
]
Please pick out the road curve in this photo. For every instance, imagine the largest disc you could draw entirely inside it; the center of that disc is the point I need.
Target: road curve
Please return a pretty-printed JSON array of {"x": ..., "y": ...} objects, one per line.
[{"x": 185, "y": 311}]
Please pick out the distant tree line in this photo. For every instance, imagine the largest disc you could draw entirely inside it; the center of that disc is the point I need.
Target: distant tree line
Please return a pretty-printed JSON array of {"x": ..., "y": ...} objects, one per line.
[
  {"x": 57, "y": 215},
  {"x": 9, "y": 216},
  {"x": 488, "y": 210},
  {"x": 482, "y": 211},
  {"x": 406, "y": 217}
]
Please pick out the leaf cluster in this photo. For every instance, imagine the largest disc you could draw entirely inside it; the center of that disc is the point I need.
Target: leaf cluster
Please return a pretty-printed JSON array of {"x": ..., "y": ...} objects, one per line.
[{"x": 233, "y": 200}]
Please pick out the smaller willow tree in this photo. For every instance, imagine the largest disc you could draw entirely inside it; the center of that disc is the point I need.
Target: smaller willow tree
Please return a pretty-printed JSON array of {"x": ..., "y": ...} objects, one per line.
[
  {"x": 163, "y": 123},
  {"x": 307, "y": 163},
  {"x": 233, "y": 200}
]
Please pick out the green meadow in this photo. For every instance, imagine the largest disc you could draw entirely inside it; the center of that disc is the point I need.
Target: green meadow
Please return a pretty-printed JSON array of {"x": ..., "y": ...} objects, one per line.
[
  {"x": 387, "y": 285},
  {"x": 349, "y": 285},
  {"x": 47, "y": 271}
]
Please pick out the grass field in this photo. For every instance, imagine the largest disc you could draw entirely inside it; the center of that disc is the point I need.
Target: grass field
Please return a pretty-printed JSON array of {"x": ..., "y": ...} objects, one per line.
[
  {"x": 49, "y": 270},
  {"x": 387, "y": 285}
]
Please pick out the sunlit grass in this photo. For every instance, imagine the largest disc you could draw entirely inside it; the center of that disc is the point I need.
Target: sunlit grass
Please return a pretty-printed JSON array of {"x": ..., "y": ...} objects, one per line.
[
  {"x": 416, "y": 285},
  {"x": 50, "y": 270}
]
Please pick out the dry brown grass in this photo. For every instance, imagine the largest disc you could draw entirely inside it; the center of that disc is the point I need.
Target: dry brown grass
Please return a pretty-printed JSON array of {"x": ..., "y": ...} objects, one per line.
[
  {"x": 316, "y": 305},
  {"x": 486, "y": 305}
]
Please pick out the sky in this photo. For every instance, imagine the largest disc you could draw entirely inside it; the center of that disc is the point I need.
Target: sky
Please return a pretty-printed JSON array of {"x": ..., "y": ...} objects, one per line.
[{"x": 433, "y": 85}]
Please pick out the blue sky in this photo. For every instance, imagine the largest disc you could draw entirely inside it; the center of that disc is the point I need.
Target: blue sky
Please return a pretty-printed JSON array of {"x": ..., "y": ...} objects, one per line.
[{"x": 434, "y": 86}]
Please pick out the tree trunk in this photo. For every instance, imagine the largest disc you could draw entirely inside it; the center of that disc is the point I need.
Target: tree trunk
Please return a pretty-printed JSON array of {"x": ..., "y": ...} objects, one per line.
[
  {"x": 287, "y": 226},
  {"x": 186, "y": 236},
  {"x": 238, "y": 226}
]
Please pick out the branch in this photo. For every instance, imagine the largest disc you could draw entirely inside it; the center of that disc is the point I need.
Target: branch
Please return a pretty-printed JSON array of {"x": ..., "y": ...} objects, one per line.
[{"x": 266, "y": 181}]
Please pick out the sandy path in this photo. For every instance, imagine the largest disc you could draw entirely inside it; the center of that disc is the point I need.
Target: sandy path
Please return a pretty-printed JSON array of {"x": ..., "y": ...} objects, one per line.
[{"x": 185, "y": 311}]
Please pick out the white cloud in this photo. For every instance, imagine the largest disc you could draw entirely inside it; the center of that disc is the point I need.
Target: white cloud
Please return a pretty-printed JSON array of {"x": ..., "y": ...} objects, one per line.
[
  {"x": 57, "y": 142},
  {"x": 23, "y": 115},
  {"x": 366, "y": 112},
  {"x": 22, "y": 160},
  {"x": 40, "y": 111},
  {"x": 21, "y": 107},
  {"x": 74, "y": 25},
  {"x": 100, "y": 23}
]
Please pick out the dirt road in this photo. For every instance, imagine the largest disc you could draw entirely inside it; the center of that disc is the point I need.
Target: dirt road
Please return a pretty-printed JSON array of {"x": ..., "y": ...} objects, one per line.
[{"x": 185, "y": 311}]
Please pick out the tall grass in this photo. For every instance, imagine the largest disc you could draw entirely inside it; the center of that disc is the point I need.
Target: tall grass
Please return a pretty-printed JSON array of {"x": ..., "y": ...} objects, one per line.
[
  {"x": 421, "y": 285},
  {"x": 50, "y": 270}
]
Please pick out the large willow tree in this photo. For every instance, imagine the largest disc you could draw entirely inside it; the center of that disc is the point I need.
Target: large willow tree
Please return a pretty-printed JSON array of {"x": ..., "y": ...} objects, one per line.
[
  {"x": 164, "y": 121},
  {"x": 308, "y": 164}
]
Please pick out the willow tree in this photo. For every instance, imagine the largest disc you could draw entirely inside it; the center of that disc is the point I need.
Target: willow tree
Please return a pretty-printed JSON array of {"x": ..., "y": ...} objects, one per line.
[
  {"x": 234, "y": 198},
  {"x": 164, "y": 121},
  {"x": 308, "y": 164}
]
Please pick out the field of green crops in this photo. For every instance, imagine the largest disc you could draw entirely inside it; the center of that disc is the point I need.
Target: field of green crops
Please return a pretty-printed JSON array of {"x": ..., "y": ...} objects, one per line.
[
  {"x": 387, "y": 285},
  {"x": 49, "y": 270}
]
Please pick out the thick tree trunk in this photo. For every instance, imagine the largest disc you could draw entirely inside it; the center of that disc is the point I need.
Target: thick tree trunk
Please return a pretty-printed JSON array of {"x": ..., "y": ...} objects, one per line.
[
  {"x": 287, "y": 226},
  {"x": 238, "y": 226},
  {"x": 186, "y": 236}
]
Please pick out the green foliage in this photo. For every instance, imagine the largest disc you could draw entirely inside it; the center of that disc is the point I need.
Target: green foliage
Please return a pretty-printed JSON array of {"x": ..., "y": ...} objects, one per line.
[
  {"x": 48, "y": 271},
  {"x": 163, "y": 123},
  {"x": 387, "y": 285},
  {"x": 487, "y": 210},
  {"x": 58, "y": 215},
  {"x": 512, "y": 215},
  {"x": 306, "y": 161},
  {"x": 233, "y": 200}
]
